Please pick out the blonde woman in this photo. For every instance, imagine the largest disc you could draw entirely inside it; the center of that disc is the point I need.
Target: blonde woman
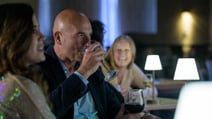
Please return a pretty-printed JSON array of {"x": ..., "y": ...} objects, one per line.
[{"x": 121, "y": 57}]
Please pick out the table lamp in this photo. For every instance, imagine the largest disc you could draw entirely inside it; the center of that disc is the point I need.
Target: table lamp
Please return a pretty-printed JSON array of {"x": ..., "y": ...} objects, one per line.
[
  {"x": 194, "y": 102},
  {"x": 152, "y": 64},
  {"x": 186, "y": 69}
]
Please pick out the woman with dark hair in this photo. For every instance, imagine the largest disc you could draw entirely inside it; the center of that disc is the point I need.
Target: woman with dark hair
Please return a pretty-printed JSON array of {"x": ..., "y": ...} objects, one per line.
[{"x": 21, "y": 45}]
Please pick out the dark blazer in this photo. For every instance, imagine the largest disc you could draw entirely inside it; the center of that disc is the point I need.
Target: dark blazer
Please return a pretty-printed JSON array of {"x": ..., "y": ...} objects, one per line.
[{"x": 64, "y": 92}]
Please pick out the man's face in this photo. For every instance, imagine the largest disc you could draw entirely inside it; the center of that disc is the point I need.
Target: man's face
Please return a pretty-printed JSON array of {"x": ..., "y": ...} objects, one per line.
[{"x": 74, "y": 37}]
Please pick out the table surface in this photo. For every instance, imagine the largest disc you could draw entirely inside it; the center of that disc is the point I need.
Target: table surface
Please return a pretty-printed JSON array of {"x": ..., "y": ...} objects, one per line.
[
  {"x": 162, "y": 104},
  {"x": 168, "y": 84},
  {"x": 165, "y": 103}
]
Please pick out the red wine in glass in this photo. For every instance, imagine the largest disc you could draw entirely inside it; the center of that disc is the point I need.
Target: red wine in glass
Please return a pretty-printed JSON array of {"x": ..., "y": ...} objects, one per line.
[{"x": 134, "y": 101}]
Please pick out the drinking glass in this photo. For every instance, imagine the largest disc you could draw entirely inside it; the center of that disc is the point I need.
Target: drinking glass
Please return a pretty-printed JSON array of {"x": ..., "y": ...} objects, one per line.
[
  {"x": 110, "y": 73},
  {"x": 134, "y": 101}
]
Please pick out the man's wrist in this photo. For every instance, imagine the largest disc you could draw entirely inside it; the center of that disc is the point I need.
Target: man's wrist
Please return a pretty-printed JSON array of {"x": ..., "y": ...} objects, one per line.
[
  {"x": 83, "y": 73},
  {"x": 85, "y": 81}
]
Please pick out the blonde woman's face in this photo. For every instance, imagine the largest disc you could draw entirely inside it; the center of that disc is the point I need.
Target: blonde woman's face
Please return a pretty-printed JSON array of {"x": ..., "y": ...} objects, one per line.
[
  {"x": 35, "y": 53},
  {"x": 122, "y": 54}
]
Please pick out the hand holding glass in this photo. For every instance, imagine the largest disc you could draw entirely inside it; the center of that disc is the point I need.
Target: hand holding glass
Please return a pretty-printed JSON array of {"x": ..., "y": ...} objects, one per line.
[{"x": 110, "y": 73}]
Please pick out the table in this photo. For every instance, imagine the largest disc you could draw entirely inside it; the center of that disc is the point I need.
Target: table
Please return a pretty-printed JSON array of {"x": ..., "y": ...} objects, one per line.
[
  {"x": 168, "y": 84},
  {"x": 162, "y": 104},
  {"x": 165, "y": 103}
]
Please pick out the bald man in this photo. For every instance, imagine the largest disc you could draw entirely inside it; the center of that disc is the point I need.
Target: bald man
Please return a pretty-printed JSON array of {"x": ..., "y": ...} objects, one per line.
[{"x": 76, "y": 84}]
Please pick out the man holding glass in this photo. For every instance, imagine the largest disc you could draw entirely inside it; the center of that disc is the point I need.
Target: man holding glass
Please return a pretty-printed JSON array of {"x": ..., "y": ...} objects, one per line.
[{"x": 76, "y": 85}]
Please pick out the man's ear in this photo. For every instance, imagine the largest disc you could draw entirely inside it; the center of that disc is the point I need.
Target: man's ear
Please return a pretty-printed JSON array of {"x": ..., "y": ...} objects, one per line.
[{"x": 58, "y": 37}]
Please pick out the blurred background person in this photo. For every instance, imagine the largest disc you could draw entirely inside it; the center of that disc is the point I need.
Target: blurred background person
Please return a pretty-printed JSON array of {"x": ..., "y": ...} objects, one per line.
[
  {"x": 21, "y": 45},
  {"x": 98, "y": 31}
]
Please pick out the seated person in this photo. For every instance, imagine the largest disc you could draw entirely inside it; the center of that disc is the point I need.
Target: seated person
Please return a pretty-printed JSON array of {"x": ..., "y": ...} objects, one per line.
[
  {"x": 21, "y": 45},
  {"x": 76, "y": 84},
  {"x": 98, "y": 34},
  {"x": 120, "y": 57}
]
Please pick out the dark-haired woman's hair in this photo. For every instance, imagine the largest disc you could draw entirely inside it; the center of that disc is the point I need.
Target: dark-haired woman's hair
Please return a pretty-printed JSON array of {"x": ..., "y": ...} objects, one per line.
[{"x": 16, "y": 29}]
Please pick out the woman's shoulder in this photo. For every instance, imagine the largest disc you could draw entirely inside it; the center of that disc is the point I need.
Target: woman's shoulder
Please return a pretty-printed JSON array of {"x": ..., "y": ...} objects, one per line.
[
  {"x": 9, "y": 90},
  {"x": 11, "y": 86},
  {"x": 15, "y": 89},
  {"x": 137, "y": 69},
  {"x": 29, "y": 87}
]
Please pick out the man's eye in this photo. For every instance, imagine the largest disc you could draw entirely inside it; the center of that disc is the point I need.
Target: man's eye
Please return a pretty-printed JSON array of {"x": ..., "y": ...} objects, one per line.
[{"x": 82, "y": 35}]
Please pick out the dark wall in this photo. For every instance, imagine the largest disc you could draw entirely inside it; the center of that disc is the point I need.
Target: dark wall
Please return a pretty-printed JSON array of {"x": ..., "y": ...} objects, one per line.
[
  {"x": 168, "y": 14},
  {"x": 167, "y": 41}
]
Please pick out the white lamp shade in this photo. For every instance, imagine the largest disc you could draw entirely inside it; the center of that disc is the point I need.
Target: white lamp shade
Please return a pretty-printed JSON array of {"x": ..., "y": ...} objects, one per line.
[
  {"x": 186, "y": 69},
  {"x": 153, "y": 63},
  {"x": 194, "y": 102}
]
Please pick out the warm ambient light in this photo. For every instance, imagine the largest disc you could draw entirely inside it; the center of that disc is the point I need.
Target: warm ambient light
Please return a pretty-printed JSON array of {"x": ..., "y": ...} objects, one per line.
[
  {"x": 186, "y": 69},
  {"x": 186, "y": 31},
  {"x": 187, "y": 21},
  {"x": 152, "y": 64}
]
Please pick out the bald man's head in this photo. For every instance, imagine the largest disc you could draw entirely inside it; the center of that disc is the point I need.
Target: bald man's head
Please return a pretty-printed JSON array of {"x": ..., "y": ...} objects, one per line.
[
  {"x": 68, "y": 18},
  {"x": 71, "y": 31}
]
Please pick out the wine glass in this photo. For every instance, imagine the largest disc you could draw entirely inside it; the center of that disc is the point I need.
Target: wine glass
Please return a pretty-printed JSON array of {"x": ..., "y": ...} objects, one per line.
[
  {"x": 134, "y": 101},
  {"x": 110, "y": 73}
]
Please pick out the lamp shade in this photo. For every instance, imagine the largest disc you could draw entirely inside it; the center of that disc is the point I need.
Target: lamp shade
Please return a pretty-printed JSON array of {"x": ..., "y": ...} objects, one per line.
[
  {"x": 153, "y": 63},
  {"x": 194, "y": 102},
  {"x": 186, "y": 69}
]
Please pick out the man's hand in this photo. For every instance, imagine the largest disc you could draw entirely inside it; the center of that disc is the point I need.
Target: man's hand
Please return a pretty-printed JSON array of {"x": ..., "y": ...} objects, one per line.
[{"x": 92, "y": 59}]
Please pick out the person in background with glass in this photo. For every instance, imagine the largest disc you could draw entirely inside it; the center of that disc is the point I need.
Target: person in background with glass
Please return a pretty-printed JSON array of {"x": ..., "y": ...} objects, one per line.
[{"x": 21, "y": 45}]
